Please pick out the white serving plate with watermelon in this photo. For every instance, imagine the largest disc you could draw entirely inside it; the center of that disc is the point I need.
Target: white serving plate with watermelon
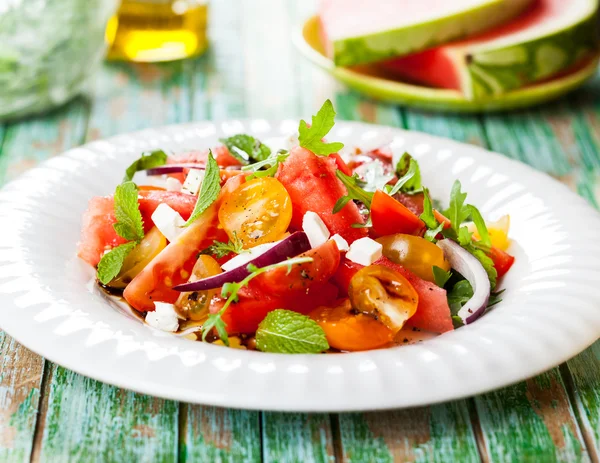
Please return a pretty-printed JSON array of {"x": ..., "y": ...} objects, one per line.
[{"x": 50, "y": 303}]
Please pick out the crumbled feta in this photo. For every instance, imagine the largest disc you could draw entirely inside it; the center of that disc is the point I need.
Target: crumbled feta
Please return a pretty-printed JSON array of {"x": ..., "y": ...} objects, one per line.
[
  {"x": 364, "y": 251},
  {"x": 168, "y": 221},
  {"x": 342, "y": 244},
  {"x": 315, "y": 229},
  {"x": 172, "y": 184},
  {"x": 193, "y": 181},
  {"x": 247, "y": 256},
  {"x": 163, "y": 318}
]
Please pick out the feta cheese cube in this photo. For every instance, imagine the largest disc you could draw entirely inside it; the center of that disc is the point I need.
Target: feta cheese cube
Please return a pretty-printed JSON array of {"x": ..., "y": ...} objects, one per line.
[
  {"x": 193, "y": 181},
  {"x": 364, "y": 251},
  {"x": 315, "y": 229},
  {"x": 168, "y": 221},
  {"x": 163, "y": 318},
  {"x": 342, "y": 244},
  {"x": 172, "y": 184}
]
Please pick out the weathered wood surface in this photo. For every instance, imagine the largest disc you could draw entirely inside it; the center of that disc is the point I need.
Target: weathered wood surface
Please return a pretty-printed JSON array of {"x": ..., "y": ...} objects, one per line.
[{"x": 48, "y": 413}]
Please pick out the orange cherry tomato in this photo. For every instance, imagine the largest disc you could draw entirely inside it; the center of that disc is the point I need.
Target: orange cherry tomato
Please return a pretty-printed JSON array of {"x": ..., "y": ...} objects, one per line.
[
  {"x": 257, "y": 212},
  {"x": 385, "y": 294},
  {"x": 415, "y": 254},
  {"x": 195, "y": 305},
  {"x": 346, "y": 330},
  {"x": 390, "y": 216}
]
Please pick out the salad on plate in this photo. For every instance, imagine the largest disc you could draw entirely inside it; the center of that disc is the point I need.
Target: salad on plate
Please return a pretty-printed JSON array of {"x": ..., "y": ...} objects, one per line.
[{"x": 308, "y": 247}]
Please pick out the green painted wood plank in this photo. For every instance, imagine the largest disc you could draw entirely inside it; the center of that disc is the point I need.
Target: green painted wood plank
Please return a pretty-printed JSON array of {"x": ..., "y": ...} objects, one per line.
[
  {"x": 20, "y": 382},
  {"x": 467, "y": 129},
  {"x": 111, "y": 424},
  {"x": 441, "y": 433}
]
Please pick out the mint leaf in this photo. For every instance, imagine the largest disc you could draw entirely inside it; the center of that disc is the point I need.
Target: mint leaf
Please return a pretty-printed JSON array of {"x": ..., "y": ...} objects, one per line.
[
  {"x": 440, "y": 276},
  {"x": 409, "y": 174},
  {"x": 209, "y": 191},
  {"x": 111, "y": 263},
  {"x": 355, "y": 191},
  {"x": 130, "y": 224},
  {"x": 484, "y": 235},
  {"x": 246, "y": 148},
  {"x": 145, "y": 162},
  {"x": 311, "y": 137},
  {"x": 288, "y": 332}
]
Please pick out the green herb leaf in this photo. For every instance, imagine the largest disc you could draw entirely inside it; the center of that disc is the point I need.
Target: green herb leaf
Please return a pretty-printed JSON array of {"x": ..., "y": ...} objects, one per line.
[
  {"x": 271, "y": 164},
  {"x": 409, "y": 174},
  {"x": 215, "y": 321},
  {"x": 145, "y": 162},
  {"x": 486, "y": 262},
  {"x": 246, "y": 148},
  {"x": 458, "y": 296},
  {"x": 355, "y": 191},
  {"x": 428, "y": 217},
  {"x": 457, "y": 212},
  {"x": 311, "y": 137},
  {"x": 441, "y": 276},
  {"x": 219, "y": 249},
  {"x": 457, "y": 321},
  {"x": 341, "y": 203},
  {"x": 111, "y": 263},
  {"x": 209, "y": 191},
  {"x": 484, "y": 236},
  {"x": 130, "y": 224},
  {"x": 288, "y": 332}
]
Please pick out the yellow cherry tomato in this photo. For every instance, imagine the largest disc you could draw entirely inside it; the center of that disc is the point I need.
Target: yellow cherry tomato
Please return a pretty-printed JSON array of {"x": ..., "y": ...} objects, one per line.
[
  {"x": 194, "y": 305},
  {"x": 139, "y": 257},
  {"x": 415, "y": 254},
  {"x": 257, "y": 212},
  {"x": 497, "y": 230},
  {"x": 385, "y": 294},
  {"x": 350, "y": 331}
]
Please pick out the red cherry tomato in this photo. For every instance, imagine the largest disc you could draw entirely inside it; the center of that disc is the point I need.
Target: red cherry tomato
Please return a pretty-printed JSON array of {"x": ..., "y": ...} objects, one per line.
[{"x": 390, "y": 216}]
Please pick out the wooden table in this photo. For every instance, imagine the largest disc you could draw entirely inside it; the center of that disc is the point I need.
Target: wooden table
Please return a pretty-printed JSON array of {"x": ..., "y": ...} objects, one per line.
[{"x": 48, "y": 413}]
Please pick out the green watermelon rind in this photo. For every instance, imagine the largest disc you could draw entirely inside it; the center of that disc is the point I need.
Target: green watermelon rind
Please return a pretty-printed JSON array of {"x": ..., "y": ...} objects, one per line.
[
  {"x": 493, "y": 72},
  {"x": 307, "y": 40},
  {"x": 402, "y": 41}
]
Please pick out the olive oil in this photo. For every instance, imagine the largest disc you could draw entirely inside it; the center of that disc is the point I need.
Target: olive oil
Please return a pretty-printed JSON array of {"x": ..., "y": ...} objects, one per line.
[{"x": 158, "y": 30}]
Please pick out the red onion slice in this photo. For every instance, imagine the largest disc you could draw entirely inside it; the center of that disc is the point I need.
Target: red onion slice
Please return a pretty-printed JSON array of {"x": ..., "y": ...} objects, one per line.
[
  {"x": 469, "y": 267},
  {"x": 172, "y": 169},
  {"x": 295, "y": 244}
]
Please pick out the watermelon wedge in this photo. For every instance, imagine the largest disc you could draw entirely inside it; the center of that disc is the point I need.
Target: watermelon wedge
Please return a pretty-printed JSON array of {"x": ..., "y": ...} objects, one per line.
[
  {"x": 550, "y": 39},
  {"x": 360, "y": 32}
]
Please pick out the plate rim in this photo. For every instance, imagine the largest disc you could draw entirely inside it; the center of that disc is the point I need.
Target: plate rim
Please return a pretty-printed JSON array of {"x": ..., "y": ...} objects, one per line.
[{"x": 173, "y": 393}]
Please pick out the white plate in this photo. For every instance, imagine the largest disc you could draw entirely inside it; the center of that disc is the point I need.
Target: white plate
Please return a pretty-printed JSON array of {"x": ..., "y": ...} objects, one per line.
[{"x": 550, "y": 312}]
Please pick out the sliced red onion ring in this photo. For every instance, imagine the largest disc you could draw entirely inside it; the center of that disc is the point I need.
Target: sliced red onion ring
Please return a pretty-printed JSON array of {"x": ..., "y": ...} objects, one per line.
[
  {"x": 295, "y": 244},
  {"x": 469, "y": 267},
  {"x": 172, "y": 169}
]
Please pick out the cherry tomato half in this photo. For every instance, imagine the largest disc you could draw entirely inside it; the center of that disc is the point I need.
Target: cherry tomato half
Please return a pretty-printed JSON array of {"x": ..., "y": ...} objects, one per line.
[
  {"x": 195, "y": 305},
  {"x": 415, "y": 254},
  {"x": 383, "y": 293},
  {"x": 257, "y": 212},
  {"x": 349, "y": 331}
]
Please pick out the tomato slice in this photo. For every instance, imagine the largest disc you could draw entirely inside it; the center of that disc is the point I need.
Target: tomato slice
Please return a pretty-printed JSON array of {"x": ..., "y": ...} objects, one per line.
[
  {"x": 326, "y": 259},
  {"x": 390, "y": 217},
  {"x": 313, "y": 186},
  {"x": 341, "y": 164},
  {"x": 441, "y": 218},
  {"x": 502, "y": 261},
  {"x": 174, "y": 264}
]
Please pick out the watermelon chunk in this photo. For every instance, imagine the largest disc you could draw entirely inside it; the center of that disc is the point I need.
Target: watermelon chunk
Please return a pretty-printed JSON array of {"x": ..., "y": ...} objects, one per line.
[
  {"x": 550, "y": 39},
  {"x": 360, "y": 32}
]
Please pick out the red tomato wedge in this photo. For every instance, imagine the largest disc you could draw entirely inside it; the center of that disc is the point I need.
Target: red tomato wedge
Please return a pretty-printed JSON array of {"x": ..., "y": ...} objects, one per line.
[
  {"x": 390, "y": 216},
  {"x": 441, "y": 218},
  {"x": 341, "y": 164},
  {"x": 97, "y": 232},
  {"x": 313, "y": 186},
  {"x": 173, "y": 265},
  {"x": 433, "y": 312},
  {"x": 502, "y": 261}
]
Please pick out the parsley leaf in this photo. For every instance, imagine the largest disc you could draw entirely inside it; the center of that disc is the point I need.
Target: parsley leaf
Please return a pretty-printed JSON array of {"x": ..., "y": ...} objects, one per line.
[
  {"x": 111, "y": 262},
  {"x": 288, "y": 332},
  {"x": 146, "y": 161},
  {"x": 230, "y": 291},
  {"x": 246, "y": 148},
  {"x": 441, "y": 276},
  {"x": 130, "y": 224},
  {"x": 409, "y": 176},
  {"x": 219, "y": 249},
  {"x": 311, "y": 137},
  {"x": 209, "y": 191},
  {"x": 355, "y": 191}
]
